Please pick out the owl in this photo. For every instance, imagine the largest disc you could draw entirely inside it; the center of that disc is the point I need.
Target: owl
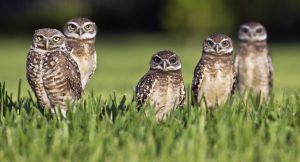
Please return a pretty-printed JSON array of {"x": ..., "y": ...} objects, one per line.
[
  {"x": 51, "y": 72},
  {"x": 81, "y": 37},
  {"x": 162, "y": 86},
  {"x": 214, "y": 76},
  {"x": 253, "y": 63}
]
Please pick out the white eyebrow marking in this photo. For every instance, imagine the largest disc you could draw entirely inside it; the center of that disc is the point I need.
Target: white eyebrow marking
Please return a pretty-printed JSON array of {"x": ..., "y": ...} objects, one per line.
[
  {"x": 87, "y": 23},
  {"x": 157, "y": 56},
  {"x": 71, "y": 23},
  {"x": 257, "y": 27}
]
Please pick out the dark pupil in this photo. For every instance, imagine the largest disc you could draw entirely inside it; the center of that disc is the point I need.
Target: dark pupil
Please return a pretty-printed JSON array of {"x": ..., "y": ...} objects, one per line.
[
  {"x": 156, "y": 59},
  {"x": 88, "y": 26},
  {"x": 225, "y": 43},
  {"x": 73, "y": 26},
  {"x": 245, "y": 30},
  {"x": 259, "y": 30},
  {"x": 173, "y": 60},
  {"x": 210, "y": 43}
]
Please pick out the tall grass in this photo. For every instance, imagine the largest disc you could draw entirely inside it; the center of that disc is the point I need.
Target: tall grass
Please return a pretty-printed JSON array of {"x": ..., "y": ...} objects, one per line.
[{"x": 98, "y": 129}]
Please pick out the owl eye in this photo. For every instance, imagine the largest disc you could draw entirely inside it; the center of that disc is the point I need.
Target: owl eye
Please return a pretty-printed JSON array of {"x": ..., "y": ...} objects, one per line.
[
  {"x": 156, "y": 59},
  {"x": 245, "y": 30},
  {"x": 72, "y": 26},
  {"x": 225, "y": 43},
  {"x": 210, "y": 43},
  {"x": 259, "y": 30},
  {"x": 173, "y": 60},
  {"x": 39, "y": 38},
  {"x": 88, "y": 26},
  {"x": 56, "y": 39}
]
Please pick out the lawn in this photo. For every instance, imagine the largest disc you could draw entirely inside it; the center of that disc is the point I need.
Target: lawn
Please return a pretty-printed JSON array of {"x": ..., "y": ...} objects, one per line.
[
  {"x": 107, "y": 127},
  {"x": 122, "y": 61}
]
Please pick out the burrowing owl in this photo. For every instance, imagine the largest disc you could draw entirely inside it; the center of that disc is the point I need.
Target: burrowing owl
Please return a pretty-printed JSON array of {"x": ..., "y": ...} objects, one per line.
[
  {"x": 51, "y": 72},
  {"x": 81, "y": 37},
  {"x": 214, "y": 76},
  {"x": 253, "y": 63},
  {"x": 162, "y": 86}
]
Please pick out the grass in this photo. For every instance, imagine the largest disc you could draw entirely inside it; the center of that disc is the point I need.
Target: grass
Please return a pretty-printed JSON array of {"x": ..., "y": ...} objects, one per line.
[
  {"x": 99, "y": 129},
  {"x": 105, "y": 126}
]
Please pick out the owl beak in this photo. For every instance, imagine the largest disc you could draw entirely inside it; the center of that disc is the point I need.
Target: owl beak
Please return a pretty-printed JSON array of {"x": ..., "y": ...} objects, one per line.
[
  {"x": 47, "y": 44},
  {"x": 164, "y": 65},
  {"x": 252, "y": 35},
  {"x": 80, "y": 32},
  {"x": 217, "y": 48}
]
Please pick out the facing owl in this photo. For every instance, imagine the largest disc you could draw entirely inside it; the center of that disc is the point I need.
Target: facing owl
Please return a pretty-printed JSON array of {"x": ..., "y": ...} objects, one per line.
[
  {"x": 51, "y": 72},
  {"x": 81, "y": 37},
  {"x": 162, "y": 86},
  {"x": 214, "y": 76},
  {"x": 253, "y": 62}
]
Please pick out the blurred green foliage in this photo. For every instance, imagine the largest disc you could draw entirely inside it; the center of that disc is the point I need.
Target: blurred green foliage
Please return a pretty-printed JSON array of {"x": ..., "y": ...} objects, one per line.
[
  {"x": 197, "y": 16},
  {"x": 56, "y": 12},
  {"x": 224, "y": 16},
  {"x": 188, "y": 17}
]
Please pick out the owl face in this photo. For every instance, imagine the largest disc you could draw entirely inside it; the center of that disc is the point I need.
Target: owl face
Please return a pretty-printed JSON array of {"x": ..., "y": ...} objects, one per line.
[
  {"x": 48, "y": 39},
  {"x": 80, "y": 28},
  {"x": 165, "y": 61},
  {"x": 252, "y": 31},
  {"x": 217, "y": 44}
]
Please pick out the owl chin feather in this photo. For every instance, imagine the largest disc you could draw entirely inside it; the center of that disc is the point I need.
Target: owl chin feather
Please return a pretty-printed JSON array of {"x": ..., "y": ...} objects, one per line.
[{"x": 85, "y": 36}]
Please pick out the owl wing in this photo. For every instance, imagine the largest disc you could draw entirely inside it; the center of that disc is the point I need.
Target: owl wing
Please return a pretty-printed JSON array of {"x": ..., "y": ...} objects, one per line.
[
  {"x": 197, "y": 80},
  {"x": 144, "y": 88},
  {"x": 234, "y": 82},
  {"x": 182, "y": 94},
  {"x": 94, "y": 66},
  {"x": 30, "y": 70},
  {"x": 71, "y": 73},
  {"x": 270, "y": 75},
  {"x": 236, "y": 67}
]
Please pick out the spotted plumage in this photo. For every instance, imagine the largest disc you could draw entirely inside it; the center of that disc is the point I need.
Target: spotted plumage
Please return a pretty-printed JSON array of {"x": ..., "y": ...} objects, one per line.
[
  {"x": 81, "y": 37},
  {"x": 162, "y": 86},
  {"x": 253, "y": 62},
  {"x": 51, "y": 72},
  {"x": 214, "y": 76}
]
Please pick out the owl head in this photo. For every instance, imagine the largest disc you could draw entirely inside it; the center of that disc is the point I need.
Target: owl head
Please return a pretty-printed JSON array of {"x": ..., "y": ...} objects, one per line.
[
  {"x": 165, "y": 61},
  {"x": 48, "y": 39},
  {"x": 217, "y": 44},
  {"x": 252, "y": 31},
  {"x": 80, "y": 28}
]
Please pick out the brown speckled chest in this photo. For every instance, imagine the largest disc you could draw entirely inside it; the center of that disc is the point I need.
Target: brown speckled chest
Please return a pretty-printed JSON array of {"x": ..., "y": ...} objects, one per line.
[
  {"x": 217, "y": 80},
  {"x": 253, "y": 68},
  {"x": 167, "y": 93}
]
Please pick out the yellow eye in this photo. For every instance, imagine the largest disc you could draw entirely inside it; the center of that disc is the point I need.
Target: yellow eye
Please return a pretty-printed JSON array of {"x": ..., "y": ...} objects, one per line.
[
  {"x": 56, "y": 39},
  {"x": 39, "y": 38}
]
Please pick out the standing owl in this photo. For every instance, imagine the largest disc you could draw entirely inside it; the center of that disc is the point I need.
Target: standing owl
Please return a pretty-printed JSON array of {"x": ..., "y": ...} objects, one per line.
[
  {"x": 214, "y": 76},
  {"x": 51, "y": 72},
  {"x": 253, "y": 63},
  {"x": 162, "y": 86},
  {"x": 81, "y": 37}
]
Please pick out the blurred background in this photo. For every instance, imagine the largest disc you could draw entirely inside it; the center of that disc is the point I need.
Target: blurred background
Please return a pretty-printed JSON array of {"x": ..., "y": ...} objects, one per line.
[{"x": 130, "y": 31}]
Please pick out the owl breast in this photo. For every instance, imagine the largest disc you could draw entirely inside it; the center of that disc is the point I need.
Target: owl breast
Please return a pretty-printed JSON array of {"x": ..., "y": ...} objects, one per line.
[
  {"x": 217, "y": 83},
  {"x": 35, "y": 73},
  {"x": 253, "y": 71},
  {"x": 166, "y": 94},
  {"x": 87, "y": 66},
  {"x": 86, "y": 58}
]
